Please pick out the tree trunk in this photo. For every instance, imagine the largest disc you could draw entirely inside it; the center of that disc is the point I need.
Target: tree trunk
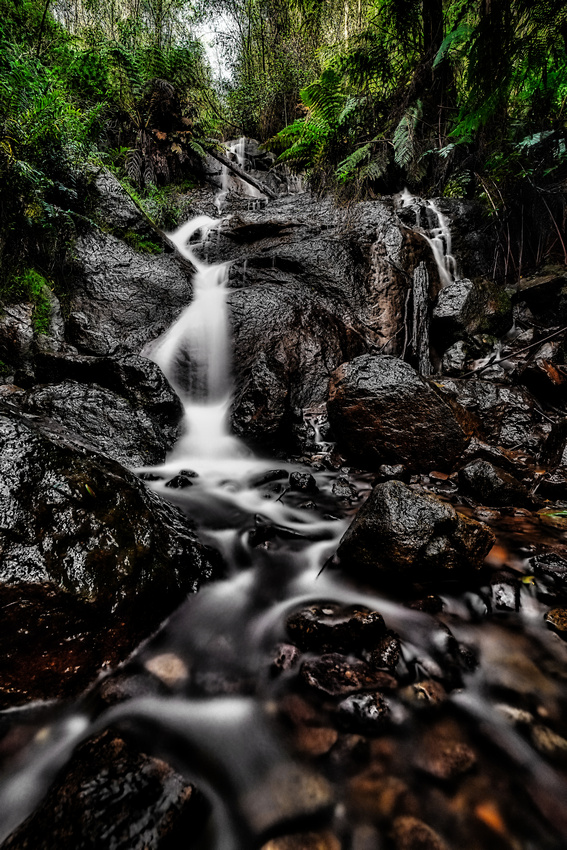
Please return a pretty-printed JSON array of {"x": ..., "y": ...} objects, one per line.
[{"x": 236, "y": 169}]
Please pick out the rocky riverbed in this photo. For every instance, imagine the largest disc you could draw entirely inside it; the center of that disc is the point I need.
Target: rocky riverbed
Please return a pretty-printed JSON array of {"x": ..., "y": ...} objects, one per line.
[{"x": 424, "y": 700}]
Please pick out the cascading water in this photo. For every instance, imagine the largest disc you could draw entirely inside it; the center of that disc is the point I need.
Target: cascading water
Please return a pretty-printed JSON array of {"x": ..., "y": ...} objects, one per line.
[
  {"x": 438, "y": 234},
  {"x": 216, "y": 724}
]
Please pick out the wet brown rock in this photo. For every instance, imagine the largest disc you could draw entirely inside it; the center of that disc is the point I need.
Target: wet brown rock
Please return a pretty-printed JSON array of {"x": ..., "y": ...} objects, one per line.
[
  {"x": 409, "y": 833},
  {"x": 386, "y": 653},
  {"x": 338, "y": 675},
  {"x": 382, "y": 410},
  {"x": 333, "y": 628},
  {"x": 84, "y": 543},
  {"x": 425, "y": 693},
  {"x": 443, "y": 753},
  {"x": 557, "y": 619},
  {"x": 465, "y": 307},
  {"x": 373, "y": 796},
  {"x": 364, "y": 713},
  {"x": 305, "y": 841},
  {"x": 112, "y": 796},
  {"x": 491, "y": 485},
  {"x": 401, "y": 534},
  {"x": 314, "y": 740}
]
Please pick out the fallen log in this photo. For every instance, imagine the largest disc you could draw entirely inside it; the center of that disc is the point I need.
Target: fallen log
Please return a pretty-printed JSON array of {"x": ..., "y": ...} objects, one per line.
[{"x": 236, "y": 169}]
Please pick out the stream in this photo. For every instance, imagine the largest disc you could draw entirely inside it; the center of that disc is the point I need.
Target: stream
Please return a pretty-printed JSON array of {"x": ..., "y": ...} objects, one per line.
[{"x": 462, "y": 728}]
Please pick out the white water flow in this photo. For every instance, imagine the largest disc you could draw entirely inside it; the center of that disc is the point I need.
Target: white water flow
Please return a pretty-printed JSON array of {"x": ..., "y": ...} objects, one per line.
[
  {"x": 217, "y": 724},
  {"x": 438, "y": 234}
]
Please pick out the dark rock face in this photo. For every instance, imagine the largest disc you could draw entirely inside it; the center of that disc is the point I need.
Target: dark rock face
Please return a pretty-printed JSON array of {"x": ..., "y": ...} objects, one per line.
[
  {"x": 112, "y": 796},
  {"x": 338, "y": 675},
  {"x": 76, "y": 523},
  {"x": 491, "y": 485},
  {"x": 330, "y": 628},
  {"x": 506, "y": 415},
  {"x": 383, "y": 411},
  {"x": 122, "y": 299},
  {"x": 467, "y": 308},
  {"x": 114, "y": 206},
  {"x": 105, "y": 421},
  {"x": 399, "y": 534}
]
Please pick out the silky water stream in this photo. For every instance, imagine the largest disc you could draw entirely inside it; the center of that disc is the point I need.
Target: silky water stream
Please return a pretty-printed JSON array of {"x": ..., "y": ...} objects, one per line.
[{"x": 224, "y": 656}]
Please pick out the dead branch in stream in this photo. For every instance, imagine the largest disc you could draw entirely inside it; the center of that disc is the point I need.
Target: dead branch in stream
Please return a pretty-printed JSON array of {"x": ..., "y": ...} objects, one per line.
[{"x": 236, "y": 169}]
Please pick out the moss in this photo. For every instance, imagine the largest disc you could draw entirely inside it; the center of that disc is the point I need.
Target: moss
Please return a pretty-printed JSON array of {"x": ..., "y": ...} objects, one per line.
[
  {"x": 31, "y": 286},
  {"x": 141, "y": 244}
]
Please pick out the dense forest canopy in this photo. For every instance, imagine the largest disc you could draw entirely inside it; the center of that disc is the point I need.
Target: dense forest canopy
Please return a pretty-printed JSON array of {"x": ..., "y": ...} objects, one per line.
[{"x": 463, "y": 99}]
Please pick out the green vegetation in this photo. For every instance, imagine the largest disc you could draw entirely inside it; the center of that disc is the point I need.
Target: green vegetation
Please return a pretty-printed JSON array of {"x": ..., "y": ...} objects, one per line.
[
  {"x": 461, "y": 98},
  {"x": 30, "y": 286}
]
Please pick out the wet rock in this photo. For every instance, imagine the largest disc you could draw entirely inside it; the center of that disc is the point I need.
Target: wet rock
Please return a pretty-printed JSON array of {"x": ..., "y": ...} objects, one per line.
[
  {"x": 98, "y": 419},
  {"x": 363, "y": 713},
  {"x": 114, "y": 206},
  {"x": 553, "y": 485},
  {"x": 465, "y": 307},
  {"x": 112, "y": 796},
  {"x": 554, "y": 449},
  {"x": 444, "y": 759},
  {"x": 496, "y": 455},
  {"x": 287, "y": 657},
  {"x": 373, "y": 796},
  {"x": 383, "y": 411},
  {"x": 343, "y": 489},
  {"x": 400, "y": 534},
  {"x": 338, "y": 675},
  {"x": 305, "y": 841},
  {"x": 552, "y": 569},
  {"x": 424, "y": 694},
  {"x": 303, "y": 481},
  {"x": 454, "y": 359},
  {"x": 506, "y": 415},
  {"x": 492, "y": 486},
  {"x": 506, "y": 595},
  {"x": 269, "y": 476},
  {"x": 409, "y": 833},
  {"x": 386, "y": 652},
  {"x": 314, "y": 740},
  {"x": 388, "y": 471},
  {"x": 556, "y": 618},
  {"x": 79, "y": 533},
  {"x": 130, "y": 376},
  {"x": 121, "y": 299},
  {"x": 16, "y": 333},
  {"x": 180, "y": 482},
  {"x": 332, "y": 628}
]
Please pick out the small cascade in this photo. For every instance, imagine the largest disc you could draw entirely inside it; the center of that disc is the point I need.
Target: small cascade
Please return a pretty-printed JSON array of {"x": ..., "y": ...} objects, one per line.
[
  {"x": 232, "y": 183},
  {"x": 436, "y": 231}
]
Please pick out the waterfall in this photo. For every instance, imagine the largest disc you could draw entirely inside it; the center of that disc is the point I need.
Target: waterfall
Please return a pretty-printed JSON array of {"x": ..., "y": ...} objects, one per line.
[{"x": 437, "y": 234}]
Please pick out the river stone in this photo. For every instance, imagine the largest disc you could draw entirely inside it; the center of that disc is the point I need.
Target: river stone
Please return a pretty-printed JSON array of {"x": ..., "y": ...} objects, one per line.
[
  {"x": 100, "y": 420},
  {"x": 506, "y": 415},
  {"x": 383, "y": 411},
  {"x": 409, "y": 833},
  {"x": 111, "y": 796},
  {"x": 401, "y": 534},
  {"x": 91, "y": 561},
  {"x": 121, "y": 299},
  {"x": 466, "y": 308},
  {"x": 339, "y": 675},
  {"x": 491, "y": 485},
  {"x": 333, "y": 628}
]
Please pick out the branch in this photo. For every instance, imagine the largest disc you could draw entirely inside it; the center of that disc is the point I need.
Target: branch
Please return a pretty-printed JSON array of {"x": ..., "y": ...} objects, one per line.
[{"x": 236, "y": 169}]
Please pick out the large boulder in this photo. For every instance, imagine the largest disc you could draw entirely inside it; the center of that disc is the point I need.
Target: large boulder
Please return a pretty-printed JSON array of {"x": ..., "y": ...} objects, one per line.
[
  {"x": 382, "y": 411},
  {"x": 467, "y": 307},
  {"x": 120, "y": 298},
  {"x": 491, "y": 485},
  {"x": 400, "y": 534},
  {"x": 121, "y": 406},
  {"x": 92, "y": 561},
  {"x": 507, "y": 415}
]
